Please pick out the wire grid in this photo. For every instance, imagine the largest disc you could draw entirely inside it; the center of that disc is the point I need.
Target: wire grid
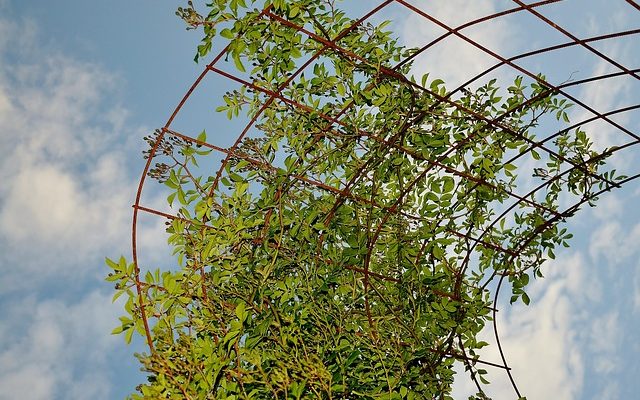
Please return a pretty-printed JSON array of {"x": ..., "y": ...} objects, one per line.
[{"x": 624, "y": 138}]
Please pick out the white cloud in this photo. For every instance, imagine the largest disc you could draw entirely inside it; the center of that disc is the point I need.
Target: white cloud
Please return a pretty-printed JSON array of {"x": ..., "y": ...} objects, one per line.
[
  {"x": 636, "y": 293},
  {"x": 605, "y": 337},
  {"x": 454, "y": 59},
  {"x": 540, "y": 341},
  {"x": 611, "y": 391},
  {"x": 68, "y": 182},
  {"x": 67, "y": 164},
  {"x": 45, "y": 345},
  {"x": 614, "y": 242},
  {"x": 604, "y": 96},
  {"x": 610, "y": 206},
  {"x": 553, "y": 343},
  {"x": 65, "y": 201}
]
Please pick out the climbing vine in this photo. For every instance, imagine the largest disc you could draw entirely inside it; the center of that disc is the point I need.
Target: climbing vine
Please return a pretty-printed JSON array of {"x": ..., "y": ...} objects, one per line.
[{"x": 349, "y": 250}]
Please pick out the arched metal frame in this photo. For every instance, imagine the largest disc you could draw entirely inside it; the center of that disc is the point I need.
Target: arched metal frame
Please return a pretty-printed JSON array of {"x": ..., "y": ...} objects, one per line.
[{"x": 536, "y": 9}]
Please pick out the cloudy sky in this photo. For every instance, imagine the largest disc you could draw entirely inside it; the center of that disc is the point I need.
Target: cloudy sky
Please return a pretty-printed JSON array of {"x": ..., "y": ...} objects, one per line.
[{"x": 82, "y": 82}]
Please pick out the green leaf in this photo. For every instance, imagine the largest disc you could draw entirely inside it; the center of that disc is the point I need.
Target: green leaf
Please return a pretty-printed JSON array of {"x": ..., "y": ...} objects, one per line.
[
  {"x": 128, "y": 335},
  {"x": 294, "y": 11},
  {"x": 435, "y": 83},
  {"x": 227, "y": 33},
  {"x": 238, "y": 62},
  {"x": 241, "y": 312},
  {"x": 525, "y": 299},
  {"x": 202, "y": 137},
  {"x": 448, "y": 184},
  {"x": 438, "y": 253}
]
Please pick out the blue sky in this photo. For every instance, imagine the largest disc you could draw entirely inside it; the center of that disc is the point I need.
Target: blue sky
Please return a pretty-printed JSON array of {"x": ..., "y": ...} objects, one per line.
[{"x": 82, "y": 82}]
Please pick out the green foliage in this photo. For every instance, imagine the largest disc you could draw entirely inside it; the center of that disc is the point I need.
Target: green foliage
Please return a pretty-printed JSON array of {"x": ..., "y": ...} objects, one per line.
[{"x": 373, "y": 282}]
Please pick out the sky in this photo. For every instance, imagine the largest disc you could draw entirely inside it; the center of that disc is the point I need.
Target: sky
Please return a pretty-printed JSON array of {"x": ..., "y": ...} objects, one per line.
[{"x": 82, "y": 82}]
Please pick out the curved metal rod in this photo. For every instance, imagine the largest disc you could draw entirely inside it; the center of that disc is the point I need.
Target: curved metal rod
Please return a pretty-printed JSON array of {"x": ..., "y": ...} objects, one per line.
[
  {"x": 136, "y": 205},
  {"x": 471, "y": 23},
  {"x": 550, "y": 49},
  {"x": 524, "y": 243},
  {"x": 612, "y": 112},
  {"x": 576, "y": 39},
  {"x": 513, "y": 65},
  {"x": 634, "y": 4},
  {"x": 527, "y": 240}
]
